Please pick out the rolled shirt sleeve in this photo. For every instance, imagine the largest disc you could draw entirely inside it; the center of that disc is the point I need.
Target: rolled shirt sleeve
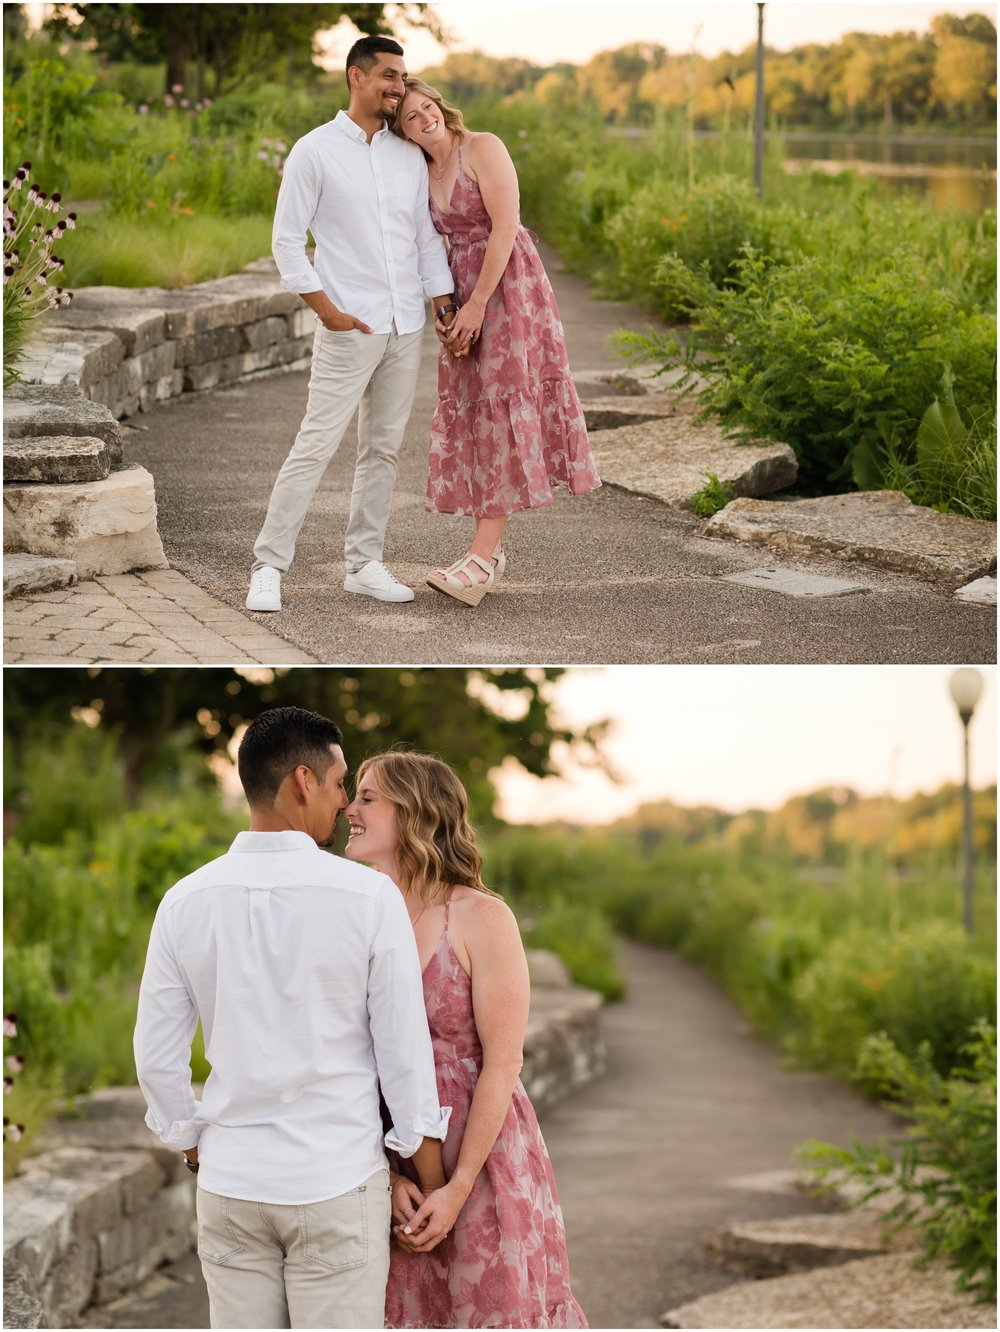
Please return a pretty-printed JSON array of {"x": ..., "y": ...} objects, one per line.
[
  {"x": 403, "y": 1052},
  {"x": 165, "y": 1027}
]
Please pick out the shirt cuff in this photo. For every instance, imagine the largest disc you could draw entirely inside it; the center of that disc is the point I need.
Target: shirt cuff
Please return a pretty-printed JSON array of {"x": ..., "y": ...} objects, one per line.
[
  {"x": 395, "y": 1142},
  {"x": 302, "y": 282},
  {"x": 181, "y": 1133},
  {"x": 439, "y": 284}
]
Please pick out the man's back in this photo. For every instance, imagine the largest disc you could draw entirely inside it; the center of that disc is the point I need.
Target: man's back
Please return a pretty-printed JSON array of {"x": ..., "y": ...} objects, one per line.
[{"x": 296, "y": 962}]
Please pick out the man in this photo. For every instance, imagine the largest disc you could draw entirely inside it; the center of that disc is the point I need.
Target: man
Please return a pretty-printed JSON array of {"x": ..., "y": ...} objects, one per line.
[
  {"x": 362, "y": 192},
  {"x": 304, "y": 972}
]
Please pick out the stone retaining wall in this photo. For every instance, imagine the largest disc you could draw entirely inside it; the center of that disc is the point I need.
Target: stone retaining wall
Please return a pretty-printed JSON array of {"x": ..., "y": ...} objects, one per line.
[
  {"x": 132, "y": 347},
  {"x": 103, "y": 1203}
]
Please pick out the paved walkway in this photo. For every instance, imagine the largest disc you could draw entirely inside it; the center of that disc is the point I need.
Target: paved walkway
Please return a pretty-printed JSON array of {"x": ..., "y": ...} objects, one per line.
[
  {"x": 607, "y": 577},
  {"x": 675, "y": 1142}
]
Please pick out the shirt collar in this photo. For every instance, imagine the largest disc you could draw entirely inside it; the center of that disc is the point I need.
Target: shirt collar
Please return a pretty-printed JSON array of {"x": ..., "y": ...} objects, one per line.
[
  {"x": 273, "y": 841},
  {"x": 344, "y": 122}
]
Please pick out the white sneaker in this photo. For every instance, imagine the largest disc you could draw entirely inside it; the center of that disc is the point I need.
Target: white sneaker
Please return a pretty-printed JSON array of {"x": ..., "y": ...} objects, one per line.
[
  {"x": 265, "y": 590},
  {"x": 375, "y": 580}
]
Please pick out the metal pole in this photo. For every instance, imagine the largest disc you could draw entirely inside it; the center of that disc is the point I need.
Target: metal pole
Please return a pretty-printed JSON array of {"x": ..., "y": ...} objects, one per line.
[
  {"x": 969, "y": 875},
  {"x": 758, "y": 118}
]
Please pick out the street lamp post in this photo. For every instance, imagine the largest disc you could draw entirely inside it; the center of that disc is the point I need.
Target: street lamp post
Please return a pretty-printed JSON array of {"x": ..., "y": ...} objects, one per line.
[
  {"x": 965, "y": 686},
  {"x": 758, "y": 117}
]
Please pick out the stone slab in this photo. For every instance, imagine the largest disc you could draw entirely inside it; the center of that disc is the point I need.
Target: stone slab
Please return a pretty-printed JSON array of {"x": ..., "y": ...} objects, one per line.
[
  {"x": 668, "y": 459},
  {"x": 105, "y": 527},
  {"x": 799, "y": 1243},
  {"x": 870, "y": 1292},
  {"x": 23, "y": 574},
  {"x": 981, "y": 592},
  {"x": 881, "y": 528},
  {"x": 56, "y": 459},
  {"x": 32, "y": 410},
  {"x": 65, "y": 356},
  {"x": 794, "y": 584},
  {"x": 136, "y": 328},
  {"x": 21, "y": 1305}
]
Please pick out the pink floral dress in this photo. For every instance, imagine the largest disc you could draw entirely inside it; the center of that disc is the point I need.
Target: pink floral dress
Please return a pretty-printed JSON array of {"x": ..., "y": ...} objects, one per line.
[
  {"x": 508, "y": 424},
  {"x": 504, "y": 1263}
]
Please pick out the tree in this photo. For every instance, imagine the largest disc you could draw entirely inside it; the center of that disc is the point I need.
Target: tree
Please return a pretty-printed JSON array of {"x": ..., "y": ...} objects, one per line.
[
  {"x": 232, "y": 41},
  {"x": 474, "y": 719}
]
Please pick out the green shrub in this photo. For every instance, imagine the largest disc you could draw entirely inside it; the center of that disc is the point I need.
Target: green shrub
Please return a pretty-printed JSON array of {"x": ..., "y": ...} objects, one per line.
[
  {"x": 712, "y": 497},
  {"x": 945, "y": 1166},
  {"x": 925, "y": 986},
  {"x": 579, "y": 934}
]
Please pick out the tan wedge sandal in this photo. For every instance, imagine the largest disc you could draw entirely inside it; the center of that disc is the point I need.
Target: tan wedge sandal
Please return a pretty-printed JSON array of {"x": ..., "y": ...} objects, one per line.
[{"x": 448, "y": 582}]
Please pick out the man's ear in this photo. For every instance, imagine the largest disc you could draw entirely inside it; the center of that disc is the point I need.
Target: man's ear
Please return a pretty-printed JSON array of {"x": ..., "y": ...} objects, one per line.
[{"x": 302, "y": 779}]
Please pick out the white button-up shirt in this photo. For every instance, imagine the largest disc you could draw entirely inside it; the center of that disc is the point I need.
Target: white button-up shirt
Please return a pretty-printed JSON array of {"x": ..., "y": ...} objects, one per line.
[
  {"x": 304, "y": 971},
  {"x": 377, "y": 252}
]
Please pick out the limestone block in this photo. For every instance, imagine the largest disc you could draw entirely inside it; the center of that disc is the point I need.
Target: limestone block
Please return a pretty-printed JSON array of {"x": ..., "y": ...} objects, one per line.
[
  {"x": 105, "y": 527},
  {"x": 161, "y": 390},
  {"x": 23, "y": 574},
  {"x": 199, "y": 348},
  {"x": 263, "y": 333},
  {"x": 143, "y": 1182},
  {"x": 981, "y": 592},
  {"x": 799, "y": 1243},
  {"x": 31, "y": 410},
  {"x": 177, "y": 1204},
  {"x": 136, "y": 328},
  {"x": 547, "y": 970},
  {"x": 56, "y": 459},
  {"x": 198, "y": 378},
  {"x": 255, "y": 295},
  {"x": 21, "y": 1304},
  {"x": 301, "y": 323},
  {"x": 563, "y": 1046},
  {"x": 70, "y": 1285},
  {"x": 881, "y": 528},
  {"x": 36, "y": 1226},
  {"x": 870, "y": 1292},
  {"x": 107, "y": 1134},
  {"x": 61, "y": 356},
  {"x": 130, "y": 1240},
  {"x": 90, "y": 1182},
  {"x": 668, "y": 458}
]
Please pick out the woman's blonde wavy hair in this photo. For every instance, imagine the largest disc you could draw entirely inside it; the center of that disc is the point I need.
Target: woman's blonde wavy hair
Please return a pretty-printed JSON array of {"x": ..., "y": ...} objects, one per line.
[
  {"x": 437, "y": 847},
  {"x": 451, "y": 115}
]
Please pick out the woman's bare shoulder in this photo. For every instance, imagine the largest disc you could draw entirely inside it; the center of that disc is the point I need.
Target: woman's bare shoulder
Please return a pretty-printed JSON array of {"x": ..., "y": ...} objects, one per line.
[{"x": 479, "y": 912}]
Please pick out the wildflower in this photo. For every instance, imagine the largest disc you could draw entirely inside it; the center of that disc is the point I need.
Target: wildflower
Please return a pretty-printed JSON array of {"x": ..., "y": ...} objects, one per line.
[
  {"x": 167, "y": 100},
  {"x": 262, "y": 155},
  {"x": 281, "y": 146},
  {"x": 171, "y": 157},
  {"x": 177, "y": 87},
  {"x": 207, "y": 103},
  {"x": 184, "y": 102},
  {"x": 12, "y": 1132},
  {"x": 8, "y": 1086},
  {"x": 10, "y": 1024},
  {"x": 142, "y": 109},
  {"x": 15, "y": 1062}
]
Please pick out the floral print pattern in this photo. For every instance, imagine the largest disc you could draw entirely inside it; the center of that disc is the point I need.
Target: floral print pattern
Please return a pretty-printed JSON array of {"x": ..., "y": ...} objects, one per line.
[
  {"x": 508, "y": 424},
  {"x": 504, "y": 1263}
]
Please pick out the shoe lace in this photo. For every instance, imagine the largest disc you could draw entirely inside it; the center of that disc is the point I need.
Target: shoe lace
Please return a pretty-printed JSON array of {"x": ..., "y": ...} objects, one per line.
[{"x": 267, "y": 580}]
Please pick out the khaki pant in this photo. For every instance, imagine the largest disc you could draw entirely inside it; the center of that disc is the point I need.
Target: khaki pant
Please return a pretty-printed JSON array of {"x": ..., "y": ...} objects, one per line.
[
  {"x": 378, "y": 373},
  {"x": 324, "y": 1264}
]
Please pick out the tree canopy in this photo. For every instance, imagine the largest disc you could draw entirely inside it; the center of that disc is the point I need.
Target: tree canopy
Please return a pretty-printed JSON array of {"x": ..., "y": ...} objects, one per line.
[
  {"x": 473, "y": 719},
  {"x": 228, "y": 41}
]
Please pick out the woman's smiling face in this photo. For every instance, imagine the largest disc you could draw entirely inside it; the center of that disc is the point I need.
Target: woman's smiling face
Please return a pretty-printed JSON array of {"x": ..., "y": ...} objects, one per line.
[
  {"x": 421, "y": 120},
  {"x": 374, "y": 831}
]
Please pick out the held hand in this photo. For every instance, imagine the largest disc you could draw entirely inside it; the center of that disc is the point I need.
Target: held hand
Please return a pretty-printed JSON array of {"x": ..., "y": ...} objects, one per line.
[
  {"x": 406, "y": 1200},
  {"x": 442, "y": 327},
  {"x": 467, "y": 327},
  {"x": 434, "y": 1219}
]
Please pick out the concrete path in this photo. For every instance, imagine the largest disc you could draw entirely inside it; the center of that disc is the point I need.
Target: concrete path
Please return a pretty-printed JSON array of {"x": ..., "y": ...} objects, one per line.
[
  {"x": 681, "y": 1137},
  {"x": 609, "y": 577}
]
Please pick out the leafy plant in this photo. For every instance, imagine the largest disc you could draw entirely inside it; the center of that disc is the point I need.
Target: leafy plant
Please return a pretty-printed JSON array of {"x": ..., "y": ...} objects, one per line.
[
  {"x": 712, "y": 497},
  {"x": 945, "y": 1165},
  {"x": 28, "y": 263}
]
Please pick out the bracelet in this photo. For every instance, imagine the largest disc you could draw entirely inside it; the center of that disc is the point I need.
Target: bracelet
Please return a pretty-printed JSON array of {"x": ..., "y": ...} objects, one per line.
[{"x": 445, "y": 310}]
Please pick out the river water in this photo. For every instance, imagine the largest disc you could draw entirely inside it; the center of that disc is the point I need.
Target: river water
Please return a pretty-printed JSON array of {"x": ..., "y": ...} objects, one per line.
[{"x": 949, "y": 172}]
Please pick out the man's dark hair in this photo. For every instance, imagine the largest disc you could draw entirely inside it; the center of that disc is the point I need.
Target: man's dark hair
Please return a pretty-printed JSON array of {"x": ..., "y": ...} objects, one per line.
[
  {"x": 365, "y": 51},
  {"x": 278, "y": 741}
]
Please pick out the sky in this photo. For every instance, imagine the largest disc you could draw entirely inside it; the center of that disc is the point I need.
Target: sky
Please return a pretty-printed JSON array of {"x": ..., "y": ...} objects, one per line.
[
  {"x": 547, "y": 31},
  {"x": 736, "y": 737}
]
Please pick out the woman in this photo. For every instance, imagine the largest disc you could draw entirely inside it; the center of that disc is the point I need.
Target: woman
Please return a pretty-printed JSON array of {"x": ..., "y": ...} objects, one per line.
[
  {"x": 508, "y": 422},
  {"x": 488, "y": 1249}
]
